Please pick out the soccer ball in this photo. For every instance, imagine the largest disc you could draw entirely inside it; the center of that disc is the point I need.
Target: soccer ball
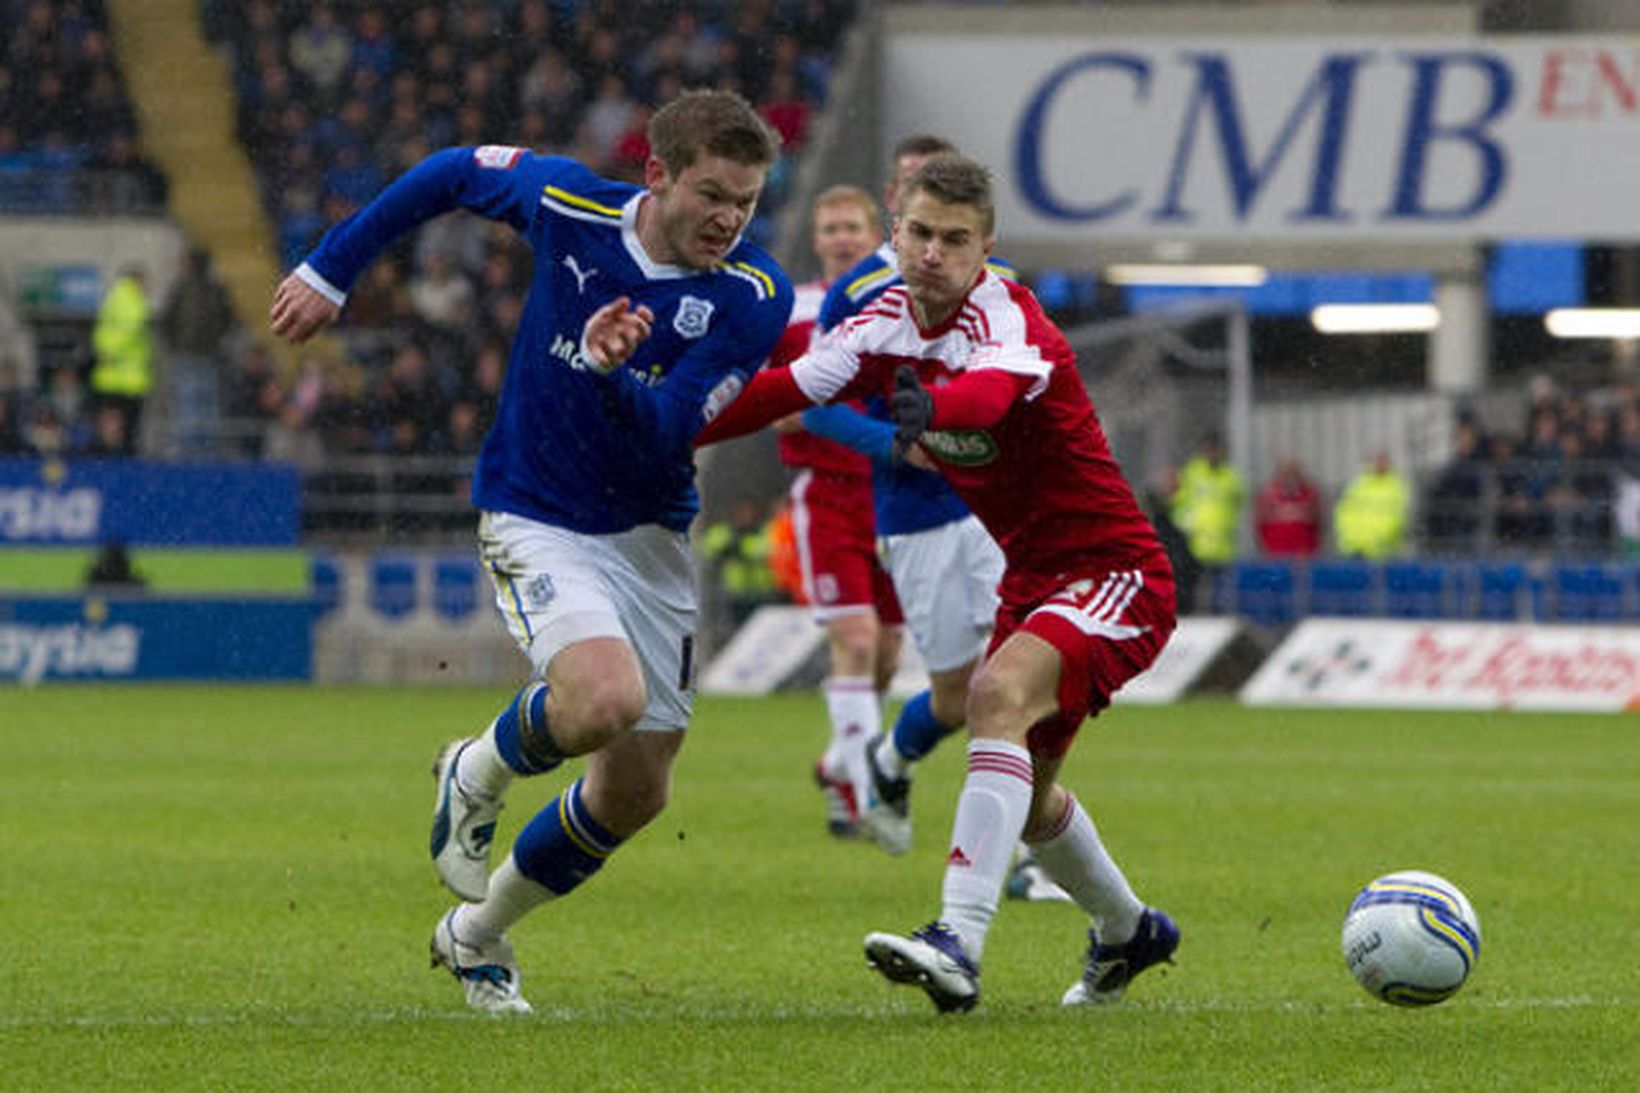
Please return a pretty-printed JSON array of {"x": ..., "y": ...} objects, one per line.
[{"x": 1411, "y": 938}]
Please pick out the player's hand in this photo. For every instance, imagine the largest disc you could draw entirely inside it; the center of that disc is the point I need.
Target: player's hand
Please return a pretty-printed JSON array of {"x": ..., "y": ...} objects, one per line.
[
  {"x": 912, "y": 408},
  {"x": 614, "y": 332},
  {"x": 299, "y": 311},
  {"x": 916, "y": 456}
]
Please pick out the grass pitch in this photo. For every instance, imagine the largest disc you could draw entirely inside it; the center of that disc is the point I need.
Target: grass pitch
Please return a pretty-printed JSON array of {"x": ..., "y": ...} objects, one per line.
[{"x": 228, "y": 889}]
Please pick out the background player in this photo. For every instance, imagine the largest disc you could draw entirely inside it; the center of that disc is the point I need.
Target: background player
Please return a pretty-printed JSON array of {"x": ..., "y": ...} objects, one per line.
[
  {"x": 585, "y": 483},
  {"x": 1087, "y": 597},
  {"x": 836, "y": 538}
]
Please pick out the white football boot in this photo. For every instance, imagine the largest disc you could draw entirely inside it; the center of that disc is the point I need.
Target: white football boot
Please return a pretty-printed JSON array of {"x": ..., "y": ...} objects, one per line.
[
  {"x": 463, "y": 829},
  {"x": 488, "y": 973}
]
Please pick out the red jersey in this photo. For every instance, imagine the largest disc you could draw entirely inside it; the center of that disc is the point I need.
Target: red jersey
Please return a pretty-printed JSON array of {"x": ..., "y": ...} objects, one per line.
[
  {"x": 803, "y": 448},
  {"x": 1041, "y": 478}
]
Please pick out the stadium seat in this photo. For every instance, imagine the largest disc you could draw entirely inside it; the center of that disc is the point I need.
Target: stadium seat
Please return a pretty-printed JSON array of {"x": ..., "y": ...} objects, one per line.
[
  {"x": 393, "y": 585},
  {"x": 1586, "y": 592},
  {"x": 326, "y": 578},
  {"x": 1265, "y": 593},
  {"x": 1342, "y": 588},
  {"x": 1503, "y": 592},
  {"x": 1419, "y": 590},
  {"x": 455, "y": 586}
]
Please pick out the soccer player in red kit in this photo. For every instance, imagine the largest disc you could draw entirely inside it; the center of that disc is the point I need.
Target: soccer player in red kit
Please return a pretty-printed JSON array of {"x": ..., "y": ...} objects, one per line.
[
  {"x": 845, "y": 583},
  {"x": 983, "y": 381}
]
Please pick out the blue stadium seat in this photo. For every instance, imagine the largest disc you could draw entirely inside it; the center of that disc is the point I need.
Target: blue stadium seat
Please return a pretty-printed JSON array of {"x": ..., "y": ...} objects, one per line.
[
  {"x": 455, "y": 586},
  {"x": 1503, "y": 592},
  {"x": 1587, "y": 592},
  {"x": 1419, "y": 590},
  {"x": 325, "y": 576},
  {"x": 393, "y": 585},
  {"x": 1265, "y": 593},
  {"x": 1342, "y": 588}
]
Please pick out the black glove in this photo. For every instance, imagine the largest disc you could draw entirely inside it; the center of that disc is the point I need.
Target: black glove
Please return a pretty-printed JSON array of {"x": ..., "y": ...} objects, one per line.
[{"x": 912, "y": 408}]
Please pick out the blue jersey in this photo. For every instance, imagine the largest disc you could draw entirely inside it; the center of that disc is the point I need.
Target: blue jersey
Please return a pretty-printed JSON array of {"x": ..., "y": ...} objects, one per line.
[
  {"x": 906, "y": 499},
  {"x": 571, "y": 447}
]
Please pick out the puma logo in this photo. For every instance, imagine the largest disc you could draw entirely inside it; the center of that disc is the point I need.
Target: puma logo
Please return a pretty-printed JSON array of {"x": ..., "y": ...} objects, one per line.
[{"x": 580, "y": 277}]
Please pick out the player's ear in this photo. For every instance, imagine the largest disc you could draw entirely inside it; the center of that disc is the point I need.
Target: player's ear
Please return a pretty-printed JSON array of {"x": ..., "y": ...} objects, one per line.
[{"x": 655, "y": 175}]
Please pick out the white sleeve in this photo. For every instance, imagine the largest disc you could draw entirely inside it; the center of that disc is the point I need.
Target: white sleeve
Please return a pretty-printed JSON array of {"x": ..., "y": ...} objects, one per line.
[
  {"x": 829, "y": 366},
  {"x": 1019, "y": 360},
  {"x": 314, "y": 280}
]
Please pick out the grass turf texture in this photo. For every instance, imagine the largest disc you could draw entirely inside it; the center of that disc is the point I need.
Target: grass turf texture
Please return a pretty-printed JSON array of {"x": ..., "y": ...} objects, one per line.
[{"x": 228, "y": 889}]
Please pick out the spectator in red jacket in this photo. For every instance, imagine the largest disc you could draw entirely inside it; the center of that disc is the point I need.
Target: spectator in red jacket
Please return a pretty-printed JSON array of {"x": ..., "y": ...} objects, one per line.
[{"x": 1288, "y": 514}]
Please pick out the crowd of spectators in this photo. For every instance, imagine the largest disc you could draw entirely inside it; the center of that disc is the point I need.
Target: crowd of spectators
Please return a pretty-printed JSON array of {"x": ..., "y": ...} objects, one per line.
[
  {"x": 1548, "y": 485},
  {"x": 69, "y": 138},
  {"x": 337, "y": 99}
]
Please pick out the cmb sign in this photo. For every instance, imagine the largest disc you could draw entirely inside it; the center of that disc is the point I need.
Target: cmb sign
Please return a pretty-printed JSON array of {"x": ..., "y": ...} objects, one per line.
[{"x": 1288, "y": 139}]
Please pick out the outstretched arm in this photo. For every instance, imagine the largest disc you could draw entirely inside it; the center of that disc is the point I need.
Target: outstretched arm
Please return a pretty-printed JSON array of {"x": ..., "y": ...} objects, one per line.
[
  {"x": 771, "y": 395},
  {"x": 312, "y": 297}
]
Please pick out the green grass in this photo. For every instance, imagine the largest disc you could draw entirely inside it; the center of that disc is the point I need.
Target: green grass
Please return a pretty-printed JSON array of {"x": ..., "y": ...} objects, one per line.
[
  {"x": 227, "y": 889},
  {"x": 225, "y": 570}
]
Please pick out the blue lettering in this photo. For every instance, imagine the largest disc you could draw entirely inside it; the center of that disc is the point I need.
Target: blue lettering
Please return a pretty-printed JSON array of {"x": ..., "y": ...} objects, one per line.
[
  {"x": 1214, "y": 102},
  {"x": 1028, "y": 170},
  {"x": 1423, "y": 132}
]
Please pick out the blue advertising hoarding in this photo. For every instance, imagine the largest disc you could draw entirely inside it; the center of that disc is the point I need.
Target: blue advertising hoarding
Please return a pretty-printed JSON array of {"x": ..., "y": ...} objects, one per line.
[
  {"x": 136, "y": 637},
  {"x": 55, "y": 503}
]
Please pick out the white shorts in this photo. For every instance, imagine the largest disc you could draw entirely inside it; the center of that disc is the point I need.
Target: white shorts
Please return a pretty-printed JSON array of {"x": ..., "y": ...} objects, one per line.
[
  {"x": 556, "y": 587},
  {"x": 947, "y": 580}
]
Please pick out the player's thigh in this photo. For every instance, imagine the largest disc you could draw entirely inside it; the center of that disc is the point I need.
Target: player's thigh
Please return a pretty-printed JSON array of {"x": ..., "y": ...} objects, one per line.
[
  {"x": 947, "y": 581},
  {"x": 1106, "y": 629}
]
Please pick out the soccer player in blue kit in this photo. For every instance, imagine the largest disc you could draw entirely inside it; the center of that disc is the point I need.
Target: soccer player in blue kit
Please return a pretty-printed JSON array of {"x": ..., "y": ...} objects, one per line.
[{"x": 647, "y": 315}]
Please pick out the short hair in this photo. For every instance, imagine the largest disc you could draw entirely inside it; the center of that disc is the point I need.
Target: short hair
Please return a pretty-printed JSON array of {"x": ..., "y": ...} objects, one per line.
[
  {"x": 921, "y": 144},
  {"x": 955, "y": 180},
  {"x": 710, "y": 122},
  {"x": 844, "y": 194}
]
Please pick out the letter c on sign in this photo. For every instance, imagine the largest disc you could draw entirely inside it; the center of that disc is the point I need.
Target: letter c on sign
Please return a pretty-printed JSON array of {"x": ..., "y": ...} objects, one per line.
[{"x": 1029, "y": 136}]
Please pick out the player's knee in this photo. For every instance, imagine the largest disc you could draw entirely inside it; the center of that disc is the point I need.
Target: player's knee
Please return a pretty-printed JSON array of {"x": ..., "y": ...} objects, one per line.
[
  {"x": 996, "y": 704},
  {"x": 601, "y": 707}
]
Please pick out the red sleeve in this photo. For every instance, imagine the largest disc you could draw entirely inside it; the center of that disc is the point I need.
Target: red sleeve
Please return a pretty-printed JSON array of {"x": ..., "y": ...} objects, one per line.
[
  {"x": 977, "y": 400},
  {"x": 771, "y": 395}
]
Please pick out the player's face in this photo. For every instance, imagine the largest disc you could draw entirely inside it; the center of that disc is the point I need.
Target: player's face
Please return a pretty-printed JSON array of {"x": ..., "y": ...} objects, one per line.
[
  {"x": 701, "y": 211},
  {"x": 843, "y": 234},
  {"x": 942, "y": 250}
]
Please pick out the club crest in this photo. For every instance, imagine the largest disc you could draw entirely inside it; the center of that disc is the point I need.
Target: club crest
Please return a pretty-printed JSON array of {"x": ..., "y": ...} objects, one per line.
[
  {"x": 540, "y": 591},
  {"x": 693, "y": 317}
]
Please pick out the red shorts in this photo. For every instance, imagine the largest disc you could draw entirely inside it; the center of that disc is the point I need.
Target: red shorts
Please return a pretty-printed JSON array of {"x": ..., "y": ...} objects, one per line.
[
  {"x": 837, "y": 546},
  {"x": 1107, "y": 627}
]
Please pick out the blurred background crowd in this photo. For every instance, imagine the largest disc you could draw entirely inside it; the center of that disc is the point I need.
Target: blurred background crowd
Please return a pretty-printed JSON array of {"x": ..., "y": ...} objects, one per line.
[{"x": 334, "y": 100}]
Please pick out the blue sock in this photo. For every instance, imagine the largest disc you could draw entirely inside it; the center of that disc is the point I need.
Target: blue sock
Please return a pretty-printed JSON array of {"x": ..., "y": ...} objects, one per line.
[
  {"x": 916, "y": 732},
  {"x": 522, "y": 736},
  {"x": 563, "y": 845}
]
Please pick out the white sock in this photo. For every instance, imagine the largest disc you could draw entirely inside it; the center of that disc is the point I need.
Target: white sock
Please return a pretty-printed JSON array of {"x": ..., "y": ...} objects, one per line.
[
  {"x": 889, "y": 759},
  {"x": 481, "y": 769},
  {"x": 855, "y": 718},
  {"x": 511, "y": 896},
  {"x": 991, "y": 812},
  {"x": 1077, "y": 860}
]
